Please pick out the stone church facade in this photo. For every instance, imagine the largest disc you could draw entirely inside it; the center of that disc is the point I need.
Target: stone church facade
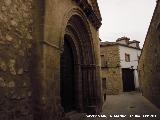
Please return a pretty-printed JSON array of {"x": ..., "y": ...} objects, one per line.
[
  {"x": 149, "y": 64},
  {"x": 49, "y": 59}
]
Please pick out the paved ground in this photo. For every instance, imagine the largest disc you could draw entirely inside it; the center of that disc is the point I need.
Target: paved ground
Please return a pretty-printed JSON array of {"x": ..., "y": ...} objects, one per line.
[
  {"x": 131, "y": 103},
  {"x": 127, "y": 106}
]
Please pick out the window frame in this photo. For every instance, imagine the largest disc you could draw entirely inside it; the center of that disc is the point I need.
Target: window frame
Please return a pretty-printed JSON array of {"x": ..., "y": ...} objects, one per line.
[{"x": 127, "y": 57}]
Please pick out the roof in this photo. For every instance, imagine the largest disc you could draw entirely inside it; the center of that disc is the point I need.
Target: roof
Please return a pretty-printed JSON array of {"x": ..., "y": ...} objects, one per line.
[
  {"x": 103, "y": 44},
  {"x": 123, "y": 38},
  {"x": 134, "y": 41}
]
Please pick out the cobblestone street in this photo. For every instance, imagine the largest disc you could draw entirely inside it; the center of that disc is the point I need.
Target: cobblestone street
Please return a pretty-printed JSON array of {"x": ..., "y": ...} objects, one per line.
[{"x": 132, "y": 103}]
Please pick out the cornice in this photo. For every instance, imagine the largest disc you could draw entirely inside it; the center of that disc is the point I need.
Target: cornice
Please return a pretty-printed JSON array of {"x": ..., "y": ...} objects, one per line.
[
  {"x": 91, "y": 12},
  {"x": 104, "y": 45}
]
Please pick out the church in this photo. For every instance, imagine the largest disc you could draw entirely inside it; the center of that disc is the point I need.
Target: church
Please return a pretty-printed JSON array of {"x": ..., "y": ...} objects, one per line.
[{"x": 49, "y": 59}]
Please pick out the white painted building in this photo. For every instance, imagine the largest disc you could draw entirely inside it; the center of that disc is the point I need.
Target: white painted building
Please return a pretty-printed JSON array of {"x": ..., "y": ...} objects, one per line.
[
  {"x": 129, "y": 55},
  {"x": 119, "y": 65}
]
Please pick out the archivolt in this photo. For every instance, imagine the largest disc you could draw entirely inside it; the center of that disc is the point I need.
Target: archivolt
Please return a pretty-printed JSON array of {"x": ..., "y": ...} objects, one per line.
[
  {"x": 76, "y": 21},
  {"x": 77, "y": 28}
]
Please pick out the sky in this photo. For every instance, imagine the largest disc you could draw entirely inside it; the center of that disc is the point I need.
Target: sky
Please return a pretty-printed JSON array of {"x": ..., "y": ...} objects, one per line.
[{"x": 130, "y": 18}]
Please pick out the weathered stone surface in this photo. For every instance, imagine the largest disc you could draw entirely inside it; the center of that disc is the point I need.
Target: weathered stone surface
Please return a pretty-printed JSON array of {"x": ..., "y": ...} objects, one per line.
[
  {"x": 7, "y": 2},
  {"x": 12, "y": 63},
  {"x": 9, "y": 38},
  {"x": 20, "y": 71},
  {"x": 31, "y": 42},
  {"x": 3, "y": 66},
  {"x": 15, "y": 24},
  {"x": 111, "y": 69},
  {"x": 11, "y": 84},
  {"x": 149, "y": 63},
  {"x": 2, "y": 82}
]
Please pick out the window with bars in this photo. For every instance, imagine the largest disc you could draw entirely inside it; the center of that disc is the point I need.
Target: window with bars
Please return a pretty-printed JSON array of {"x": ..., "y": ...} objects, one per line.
[{"x": 127, "y": 57}]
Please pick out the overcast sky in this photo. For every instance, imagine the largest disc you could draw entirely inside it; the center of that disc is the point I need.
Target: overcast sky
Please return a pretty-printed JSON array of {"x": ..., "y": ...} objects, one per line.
[{"x": 130, "y": 18}]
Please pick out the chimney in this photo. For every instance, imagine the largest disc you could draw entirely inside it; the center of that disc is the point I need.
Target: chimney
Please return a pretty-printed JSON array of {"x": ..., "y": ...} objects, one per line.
[
  {"x": 123, "y": 40},
  {"x": 134, "y": 43}
]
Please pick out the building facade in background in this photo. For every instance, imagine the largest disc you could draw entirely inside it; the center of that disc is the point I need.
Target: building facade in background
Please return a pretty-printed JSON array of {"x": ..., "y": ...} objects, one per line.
[
  {"x": 119, "y": 62},
  {"x": 49, "y": 59},
  {"x": 149, "y": 64}
]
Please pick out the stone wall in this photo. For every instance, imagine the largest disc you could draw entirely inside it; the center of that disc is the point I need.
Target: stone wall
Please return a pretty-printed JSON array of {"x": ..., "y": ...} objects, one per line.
[
  {"x": 31, "y": 42},
  {"x": 149, "y": 64},
  {"x": 111, "y": 70},
  {"x": 16, "y": 25}
]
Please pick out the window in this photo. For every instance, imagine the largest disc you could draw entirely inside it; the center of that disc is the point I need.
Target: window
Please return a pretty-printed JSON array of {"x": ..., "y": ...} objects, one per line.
[
  {"x": 102, "y": 61},
  {"x": 104, "y": 83},
  {"x": 127, "y": 57}
]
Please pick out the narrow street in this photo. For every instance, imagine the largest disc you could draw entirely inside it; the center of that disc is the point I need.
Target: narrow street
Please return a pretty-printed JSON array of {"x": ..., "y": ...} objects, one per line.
[
  {"x": 125, "y": 106},
  {"x": 131, "y": 103}
]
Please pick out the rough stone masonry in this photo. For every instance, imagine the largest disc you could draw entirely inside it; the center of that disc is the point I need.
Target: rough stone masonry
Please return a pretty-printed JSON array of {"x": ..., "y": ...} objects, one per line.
[
  {"x": 149, "y": 63},
  {"x": 32, "y": 36},
  {"x": 16, "y": 38}
]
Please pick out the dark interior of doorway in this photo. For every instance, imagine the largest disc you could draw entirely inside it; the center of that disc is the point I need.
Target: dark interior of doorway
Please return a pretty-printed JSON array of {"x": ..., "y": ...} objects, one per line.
[
  {"x": 128, "y": 79},
  {"x": 67, "y": 82}
]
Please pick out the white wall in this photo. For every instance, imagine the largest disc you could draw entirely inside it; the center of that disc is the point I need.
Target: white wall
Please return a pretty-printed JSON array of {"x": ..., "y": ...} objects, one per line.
[
  {"x": 122, "y": 42},
  {"x": 134, "y": 53},
  {"x": 133, "y": 44}
]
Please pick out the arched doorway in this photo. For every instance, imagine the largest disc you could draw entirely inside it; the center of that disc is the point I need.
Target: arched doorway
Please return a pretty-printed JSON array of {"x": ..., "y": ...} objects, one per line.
[
  {"x": 67, "y": 77},
  {"x": 78, "y": 68}
]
